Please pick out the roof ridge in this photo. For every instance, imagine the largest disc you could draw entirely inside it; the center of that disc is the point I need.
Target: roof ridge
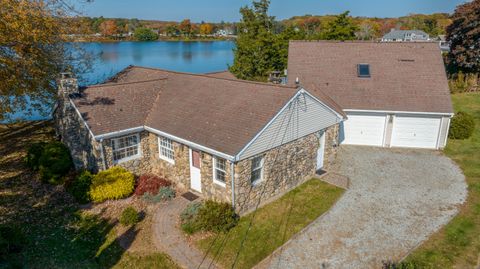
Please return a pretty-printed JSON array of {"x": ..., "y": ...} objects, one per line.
[
  {"x": 151, "y": 108},
  {"x": 124, "y": 83},
  {"x": 210, "y": 77},
  {"x": 218, "y": 72}
]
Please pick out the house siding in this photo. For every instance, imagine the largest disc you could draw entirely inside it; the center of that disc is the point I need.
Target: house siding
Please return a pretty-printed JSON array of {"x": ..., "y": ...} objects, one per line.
[{"x": 299, "y": 119}]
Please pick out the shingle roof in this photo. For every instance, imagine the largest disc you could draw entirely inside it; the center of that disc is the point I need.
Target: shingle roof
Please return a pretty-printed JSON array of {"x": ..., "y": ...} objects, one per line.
[
  {"x": 222, "y": 74},
  {"x": 404, "y": 76},
  {"x": 222, "y": 114}
]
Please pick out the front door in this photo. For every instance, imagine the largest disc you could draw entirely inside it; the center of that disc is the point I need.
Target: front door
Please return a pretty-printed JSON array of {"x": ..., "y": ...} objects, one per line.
[
  {"x": 195, "y": 175},
  {"x": 321, "y": 151}
]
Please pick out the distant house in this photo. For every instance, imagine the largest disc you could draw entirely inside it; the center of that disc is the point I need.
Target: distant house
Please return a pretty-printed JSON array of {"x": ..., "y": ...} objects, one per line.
[
  {"x": 406, "y": 36},
  {"x": 224, "y": 32},
  {"x": 443, "y": 43}
]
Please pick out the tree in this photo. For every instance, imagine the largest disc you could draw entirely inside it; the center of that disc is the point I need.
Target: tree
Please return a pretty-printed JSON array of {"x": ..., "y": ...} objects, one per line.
[
  {"x": 108, "y": 28},
  {"x": 172, "y": 30},
  {"x": 186, "y": 27},
  {"x": 342, "y": 28},
  {"x": 464, "y": 35},
  {"x": 33, "y": 51},
  {"x": 256, "y": 51},
  {"x": 145, "y": 34},
  {"x": 206, "y": 29}
]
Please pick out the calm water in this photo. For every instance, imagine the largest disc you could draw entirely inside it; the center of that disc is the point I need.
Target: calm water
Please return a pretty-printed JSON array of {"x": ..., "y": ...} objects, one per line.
[{"x": 110, "y": 58}]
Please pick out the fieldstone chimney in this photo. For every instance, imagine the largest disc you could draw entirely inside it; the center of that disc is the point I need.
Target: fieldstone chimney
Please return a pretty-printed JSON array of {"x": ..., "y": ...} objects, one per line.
[{"x": 67, "y": 84}]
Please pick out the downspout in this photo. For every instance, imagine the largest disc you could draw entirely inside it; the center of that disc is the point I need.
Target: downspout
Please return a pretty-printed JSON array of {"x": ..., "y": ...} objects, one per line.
[
  {"x": 232, "y": 175},
  {"x": 102, "y": 155}
]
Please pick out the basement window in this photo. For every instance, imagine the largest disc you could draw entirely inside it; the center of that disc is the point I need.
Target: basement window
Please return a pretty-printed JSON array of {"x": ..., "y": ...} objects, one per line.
[
  {"x": 363, "y": 70},
  {"x": 257, "y": 170}
]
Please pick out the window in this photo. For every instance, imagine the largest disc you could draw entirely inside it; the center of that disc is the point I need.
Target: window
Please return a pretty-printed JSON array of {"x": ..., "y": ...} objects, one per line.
[
  {"x": 257, "y": 169},
  {"x": 125, "y": 148},
  {"x": 166, "y": 149},
  {"x": 363, "y": 70},
  {"x": 219, "y": 171}
]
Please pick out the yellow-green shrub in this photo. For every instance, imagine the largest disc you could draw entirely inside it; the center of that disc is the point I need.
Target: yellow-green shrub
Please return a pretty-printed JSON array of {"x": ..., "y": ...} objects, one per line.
[{"x": 114, "y": 183}]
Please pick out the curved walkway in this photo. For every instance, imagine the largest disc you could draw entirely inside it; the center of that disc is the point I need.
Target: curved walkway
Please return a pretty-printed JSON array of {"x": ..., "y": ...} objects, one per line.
[
  {"x": 397, "y": 199},
  {"x": 170, "y": 239}
]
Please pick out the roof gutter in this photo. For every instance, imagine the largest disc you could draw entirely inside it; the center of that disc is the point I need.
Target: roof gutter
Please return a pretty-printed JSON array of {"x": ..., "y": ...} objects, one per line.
[{"x": 400, "y": 112}]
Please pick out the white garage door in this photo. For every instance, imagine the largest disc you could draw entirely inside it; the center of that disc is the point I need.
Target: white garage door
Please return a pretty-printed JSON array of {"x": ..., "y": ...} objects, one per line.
[
  {"x": 364, "y": 129},
  {"x": 415, "y": 132}
]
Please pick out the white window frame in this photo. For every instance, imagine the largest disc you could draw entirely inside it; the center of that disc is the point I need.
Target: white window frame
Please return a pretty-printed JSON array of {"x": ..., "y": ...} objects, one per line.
[
  {"x": 262, "y": 162},
  {"x": 214, "y": 172},
  {"x": 160, "y": 146},
  {"x": 114, "y": 141}
]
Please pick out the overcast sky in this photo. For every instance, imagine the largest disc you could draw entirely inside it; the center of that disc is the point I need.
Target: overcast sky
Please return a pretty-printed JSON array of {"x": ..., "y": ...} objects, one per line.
[{"x": 227, "y": 10}]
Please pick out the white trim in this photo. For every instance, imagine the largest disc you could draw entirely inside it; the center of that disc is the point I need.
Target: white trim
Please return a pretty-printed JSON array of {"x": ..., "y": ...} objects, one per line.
[
  {"x": 301, "y": 91},
  {"x": 399, "y": 112},
  {"x": 129, "y": 158},
  {"x": 214, "y": 174},
  {"x": 81, "y": 118},
  {"x": 190, "y": 144},
  {"x": 446, "y": 133},
  {"x": 120, "y": 133},
  {"x": 170, "y": 161}
]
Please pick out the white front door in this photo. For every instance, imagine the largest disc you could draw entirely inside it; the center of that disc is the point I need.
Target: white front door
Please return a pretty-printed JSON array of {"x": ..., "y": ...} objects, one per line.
[
  {"x": 364, "y": 129},
  {"x": 415, "y": 132},
  {"x": 195, "y": 175},
  {"x": 321, "y": 151}
]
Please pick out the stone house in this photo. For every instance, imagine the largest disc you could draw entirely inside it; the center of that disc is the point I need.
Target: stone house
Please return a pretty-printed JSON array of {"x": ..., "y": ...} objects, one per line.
[{"x": 225, "y": 139}]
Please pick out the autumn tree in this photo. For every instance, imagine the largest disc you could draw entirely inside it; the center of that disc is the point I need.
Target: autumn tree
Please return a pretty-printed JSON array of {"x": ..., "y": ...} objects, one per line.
[
  {"x": 33, "y": 51},
  {"x": 186, "y": 27},
  {"x": 342, "y": 28},
  {"x": 206, "y": 29},
  {"x": 464, "y": 36},
  {"x": 108, "y": 28}
]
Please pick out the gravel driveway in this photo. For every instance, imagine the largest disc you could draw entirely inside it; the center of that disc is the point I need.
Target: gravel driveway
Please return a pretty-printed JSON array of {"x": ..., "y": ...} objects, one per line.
[{"x": 397, "y": 198}]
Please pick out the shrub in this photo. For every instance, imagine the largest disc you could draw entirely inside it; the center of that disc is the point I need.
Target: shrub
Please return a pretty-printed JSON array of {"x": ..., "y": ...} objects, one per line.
[
  {"x": 80, "y": 187},
  {"x": 54, "y": 162},
  {"x": 129, "y": 216},
  {"x": 461, "y": 126},
  {"x": 145, "y": 34},
  {"x": 114, "y": 183},
  {"x": 216, "y": 217},
  {"x": 150, "y": 184},
  {"x": 188, "y": 218},
  {"x": 12, "y": 241},
  {"x": 165, "y": 193},
  {"x": 33, "y": 155},
  {"x": 399, "y": 265}
]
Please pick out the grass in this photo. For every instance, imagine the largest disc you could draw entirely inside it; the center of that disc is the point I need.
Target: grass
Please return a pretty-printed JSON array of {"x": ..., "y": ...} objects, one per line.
[
  {"x": 457, "y": 245},
  {"x": 59, "y": 235},
  {"x": 272, "y": 226}
]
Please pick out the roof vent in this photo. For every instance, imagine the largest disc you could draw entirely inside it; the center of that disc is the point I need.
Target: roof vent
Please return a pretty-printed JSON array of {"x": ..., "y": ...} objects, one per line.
[{"x": 363, "y": 70}]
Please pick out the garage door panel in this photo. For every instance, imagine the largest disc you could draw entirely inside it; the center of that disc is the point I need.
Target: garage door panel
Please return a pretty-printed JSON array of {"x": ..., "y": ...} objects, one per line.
[
  {"x": 364, "y": 130},
  {"x": 415, "y": 132}
]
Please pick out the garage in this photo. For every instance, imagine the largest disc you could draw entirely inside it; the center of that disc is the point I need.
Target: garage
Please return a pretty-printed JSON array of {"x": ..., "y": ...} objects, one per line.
[
  {"x": 364, "y": 129},
  {"x": 415, "y": 132}
]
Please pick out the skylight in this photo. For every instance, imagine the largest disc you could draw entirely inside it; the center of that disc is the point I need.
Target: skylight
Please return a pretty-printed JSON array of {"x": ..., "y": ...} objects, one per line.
[{"x": 363, "y": 70}]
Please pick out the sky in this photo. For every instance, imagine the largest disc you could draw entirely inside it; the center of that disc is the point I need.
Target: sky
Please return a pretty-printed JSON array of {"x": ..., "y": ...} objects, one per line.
[{"x": 228, "y": 10}]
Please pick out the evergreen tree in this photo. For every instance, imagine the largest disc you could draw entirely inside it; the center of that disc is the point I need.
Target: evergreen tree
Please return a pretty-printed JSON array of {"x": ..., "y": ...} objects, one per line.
[{"x": 342, "y": 28}]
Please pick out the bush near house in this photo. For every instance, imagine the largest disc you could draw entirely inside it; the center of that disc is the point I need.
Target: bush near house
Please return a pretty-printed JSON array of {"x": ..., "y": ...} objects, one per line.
[
  {"x": 212, "y": 216},
  {"x": 164, "y": 194},
  {"x": 150, "y": 184},
  {"x": 461, "y": 126},
  {"x": 114, "y": 183},
  {"x": 52, "y": 160},
  {"x": 80, "y": 187},
  {"x": 129, "y": 216}
]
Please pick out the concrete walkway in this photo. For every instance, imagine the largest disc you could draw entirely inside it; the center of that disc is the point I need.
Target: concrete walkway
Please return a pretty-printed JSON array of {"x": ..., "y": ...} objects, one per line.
[
  {"x": 397, "y": 199},
  {"x": 170, "y": 239}
]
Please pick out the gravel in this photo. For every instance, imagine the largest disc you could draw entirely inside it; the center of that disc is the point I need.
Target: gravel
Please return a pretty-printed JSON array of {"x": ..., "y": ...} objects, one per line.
[{"x": 397, "y": 199}]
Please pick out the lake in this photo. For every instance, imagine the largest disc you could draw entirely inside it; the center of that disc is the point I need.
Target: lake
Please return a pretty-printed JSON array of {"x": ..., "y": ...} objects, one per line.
[{"x": 192, "y": 56}]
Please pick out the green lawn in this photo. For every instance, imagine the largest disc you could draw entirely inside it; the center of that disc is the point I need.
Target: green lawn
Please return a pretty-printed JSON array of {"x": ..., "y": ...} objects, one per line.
[
  {"x": 57, "y": 234},
  {"x": 457, "y": 245},
  {"x": 272, "y": 226}
]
